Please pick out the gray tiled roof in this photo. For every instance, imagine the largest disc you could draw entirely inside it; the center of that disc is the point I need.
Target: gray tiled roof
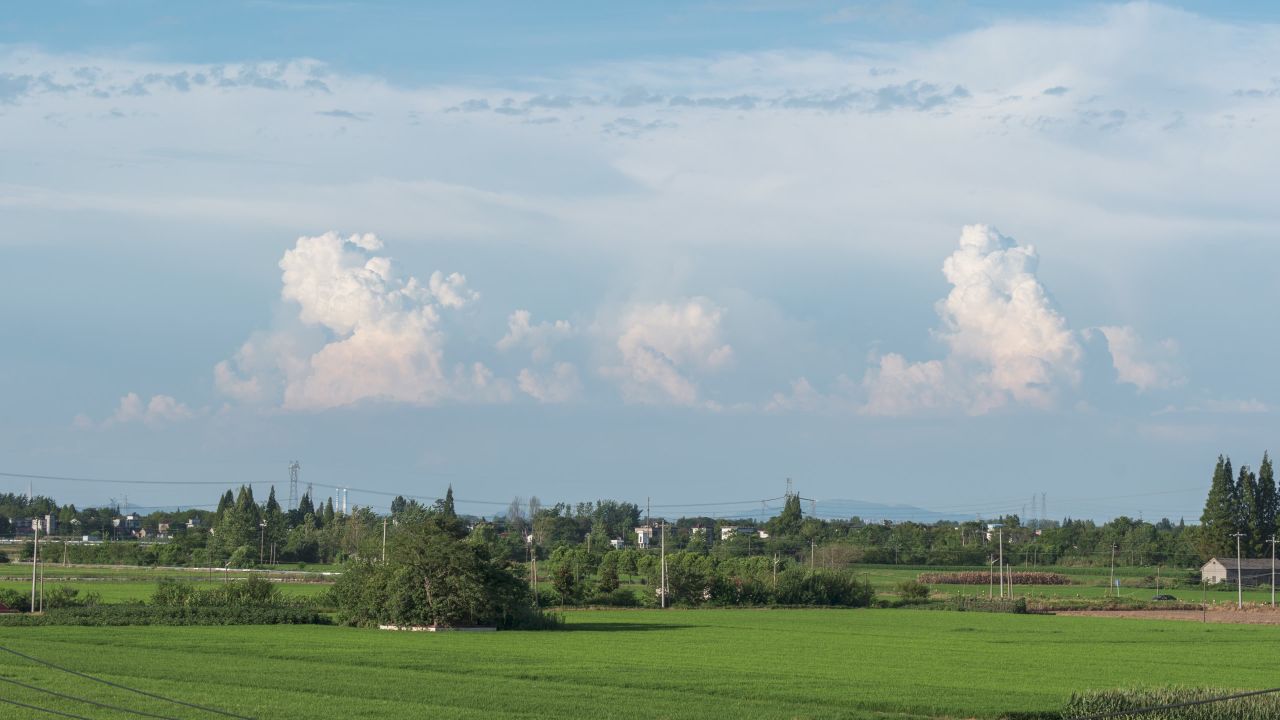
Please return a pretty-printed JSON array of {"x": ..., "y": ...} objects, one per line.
[{"x": 1247, "y": 563}]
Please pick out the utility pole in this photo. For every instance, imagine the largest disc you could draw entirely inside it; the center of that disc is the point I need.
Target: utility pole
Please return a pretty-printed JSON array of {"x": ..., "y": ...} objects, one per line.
[
  {"x": 811, "y": 546},
  {"x": 1273, "y": 570},
  {"x": 384, "y": 540},
  {"x": 663, "y": 545},
  {"x": 775, "y": 570},
  {"x": 1113, "y": 570},
  {"x": 1001, "y": 535},
  {"x": 1239, "y": 574},
  {"x": 35, "y": 557}
]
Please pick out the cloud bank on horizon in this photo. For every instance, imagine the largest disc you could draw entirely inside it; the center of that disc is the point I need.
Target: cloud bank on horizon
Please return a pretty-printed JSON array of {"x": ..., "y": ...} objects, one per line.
[{"x": 365, "y": 333}]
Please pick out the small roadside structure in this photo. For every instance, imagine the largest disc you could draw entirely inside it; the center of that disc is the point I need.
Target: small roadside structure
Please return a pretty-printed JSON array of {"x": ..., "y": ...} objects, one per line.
[
  {"x": 436, "y": 628},
  {"x": 1248, "y": 571}
]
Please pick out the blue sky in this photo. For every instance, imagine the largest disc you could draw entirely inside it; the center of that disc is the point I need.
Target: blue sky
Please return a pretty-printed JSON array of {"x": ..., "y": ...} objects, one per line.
[{"x": 949, "y": 255}]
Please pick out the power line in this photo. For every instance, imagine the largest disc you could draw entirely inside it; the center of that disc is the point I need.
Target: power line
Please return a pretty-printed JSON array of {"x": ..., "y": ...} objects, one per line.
[
  {"x": 832, "y": 509},
  {"x": 27, "y": 476},
  {"x": 44, "y": 710},
  {"x": 85, "y": 700},
  {"x": 46, "y": 663}
]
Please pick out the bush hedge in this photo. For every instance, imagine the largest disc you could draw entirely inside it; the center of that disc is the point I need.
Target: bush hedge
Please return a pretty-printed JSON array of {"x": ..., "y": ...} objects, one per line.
[{"x": 137, "y": 614}]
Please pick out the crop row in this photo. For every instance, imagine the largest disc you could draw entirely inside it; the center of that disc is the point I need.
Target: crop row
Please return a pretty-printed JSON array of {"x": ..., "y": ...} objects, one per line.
[{"x": 982, "y": 578}]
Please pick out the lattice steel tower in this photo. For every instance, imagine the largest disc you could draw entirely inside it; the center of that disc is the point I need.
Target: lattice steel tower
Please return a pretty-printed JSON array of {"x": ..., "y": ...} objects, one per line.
[{"x": 294, "y": 467}]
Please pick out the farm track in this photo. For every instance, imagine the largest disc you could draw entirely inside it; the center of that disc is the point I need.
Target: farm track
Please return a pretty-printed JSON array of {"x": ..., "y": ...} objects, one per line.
[{"x": 1227, "y": 615}]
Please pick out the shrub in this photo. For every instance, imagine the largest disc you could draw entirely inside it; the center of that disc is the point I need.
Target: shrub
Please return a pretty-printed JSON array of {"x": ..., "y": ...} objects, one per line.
[
  {"x": 15, "y": 600},
  {"x": 797, "y": 586},
  {"x": 615, "y": 598},
  {"x": 251, "y": 592},
  {"x": 913, "y": 590},
  {"x": 66, "y": 597}
]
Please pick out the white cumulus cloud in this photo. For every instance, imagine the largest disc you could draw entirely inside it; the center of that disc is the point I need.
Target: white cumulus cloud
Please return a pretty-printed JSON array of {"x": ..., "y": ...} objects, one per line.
[
  {"x": 560, "y": 384},
  {"x": 538, "y": 338},
  {"x": 158, "y": 411},
  {"x": 1006, "y": 341},
  {"x": 367, "y": 333},
  {"x": 1146, "y": 366},
  {"x": 660, "y": 343}
]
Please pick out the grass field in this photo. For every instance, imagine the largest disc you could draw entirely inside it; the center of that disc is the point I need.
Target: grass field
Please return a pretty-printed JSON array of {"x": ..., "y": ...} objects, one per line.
[
  {"x": 642, "y": 664},
  {"x": 134, "y": 584}
]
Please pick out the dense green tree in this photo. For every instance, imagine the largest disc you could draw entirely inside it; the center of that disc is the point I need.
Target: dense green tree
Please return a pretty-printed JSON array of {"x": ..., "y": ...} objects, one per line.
[
  {"x": 788, "y": 522},
  {"x": 566, "y": 584},
  {"x": 226, "y": 501},
  {"x": 446, "y": 505},
  {"x": 1250, "y": 518},
  {"x": 432, "y": 578},
  {"x": 607, "y": 577},
  {"x": 1268, "y": 507},
  {"x": 1221, "y": 516}
]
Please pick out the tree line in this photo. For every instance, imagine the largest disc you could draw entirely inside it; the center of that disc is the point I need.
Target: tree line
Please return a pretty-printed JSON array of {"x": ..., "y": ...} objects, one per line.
[
  {"x": 244, "y": 531},
  {"x": 1244, "y": 503}
]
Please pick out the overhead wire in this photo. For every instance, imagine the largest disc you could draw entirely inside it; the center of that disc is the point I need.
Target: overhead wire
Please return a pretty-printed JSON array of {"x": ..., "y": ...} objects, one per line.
[
  {"x": 835, "y": 508},
  {"x": 1174, "y": 706},
  {"x": 77, "y": 673},
  {"x": 43, "y": 710},
  {"x": 87, "y": 701}
]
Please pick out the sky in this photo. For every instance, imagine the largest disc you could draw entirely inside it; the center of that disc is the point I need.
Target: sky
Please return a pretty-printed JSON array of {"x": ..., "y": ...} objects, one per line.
[{"x": 950, "y": 255}]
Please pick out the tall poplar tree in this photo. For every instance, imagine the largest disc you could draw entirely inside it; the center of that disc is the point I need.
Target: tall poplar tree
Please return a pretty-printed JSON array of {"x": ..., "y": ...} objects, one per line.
[
  {"x": 1268, "y": 507},
  {"x": 1221, "y": 513},
  {"x": 1249, "y": 509}
]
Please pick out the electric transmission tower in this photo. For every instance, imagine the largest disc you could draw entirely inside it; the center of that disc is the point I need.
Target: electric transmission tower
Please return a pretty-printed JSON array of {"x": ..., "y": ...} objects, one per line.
[{"x": 294, "y": 467}]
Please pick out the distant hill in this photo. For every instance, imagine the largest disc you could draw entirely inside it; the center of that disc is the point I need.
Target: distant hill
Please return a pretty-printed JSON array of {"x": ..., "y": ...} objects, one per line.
[{"x": 844, "y": 509}]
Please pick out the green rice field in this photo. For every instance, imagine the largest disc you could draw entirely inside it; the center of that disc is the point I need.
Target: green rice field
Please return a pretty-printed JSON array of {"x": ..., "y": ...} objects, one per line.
[{"x": 640, "y": 664}]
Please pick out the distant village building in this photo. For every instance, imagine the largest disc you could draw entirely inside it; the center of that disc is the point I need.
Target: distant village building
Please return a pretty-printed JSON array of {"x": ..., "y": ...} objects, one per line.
[
  {"x": 1248, "y": 572},
  {"x": 130, "y": 524},
  {"x": 644, "y": 536},
  {"x": 617, "y": 543},
  {"x": 729, "y": 531},
  {"x": 698, "y": 530}
]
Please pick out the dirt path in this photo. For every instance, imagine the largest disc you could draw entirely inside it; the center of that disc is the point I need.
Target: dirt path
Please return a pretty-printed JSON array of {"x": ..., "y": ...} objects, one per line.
[{"x": 1247, "y": 616}]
